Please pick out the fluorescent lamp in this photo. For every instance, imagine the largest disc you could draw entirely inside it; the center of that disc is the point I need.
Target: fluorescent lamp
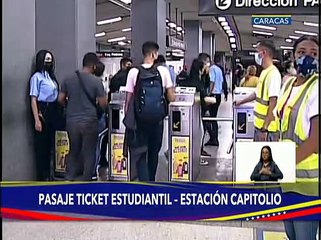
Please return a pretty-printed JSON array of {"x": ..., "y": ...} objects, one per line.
[
  {"x": 167, "y": 21},
  {"x": 254, "y": 45},
  {"x": 263, "y": 33},
  {"x": 129, "y": 41},
  {"x": 230, "y": 34},
  {"x": 221, "y": 19},
  {"x": 288, "y": 40},
  {"x": 126, "y": 1},
  {"x": 101, "y": 34},
  {"x": 232, "y": 40},
  {"x": 294, "y": 37},
  {"x": 233, "y": 45},
  {"x": 126, "y": 30},
  {"x": 116, "y": 39},
  {"x": 305, "y": 33},
  {"x": 224, "y": 23},
  {"x": 172, "y": 25},
  {"x": 121, "y": 43},
  {"x": 286, "y": 47},
  {"x": 229, "y": 31},
  {"x": 227, "y": 28},
  {"x": 179, "y": 28},
  {"x": 108, "y": 21},
  {"x": 264, "y": 27},
  {"x": 311, "y": 24}
]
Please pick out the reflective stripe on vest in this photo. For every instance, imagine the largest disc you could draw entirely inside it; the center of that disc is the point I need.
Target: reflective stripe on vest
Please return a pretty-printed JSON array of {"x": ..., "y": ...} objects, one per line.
[
  {"x": 262, "y": 104},
  {"x": 292, "y": 130}
]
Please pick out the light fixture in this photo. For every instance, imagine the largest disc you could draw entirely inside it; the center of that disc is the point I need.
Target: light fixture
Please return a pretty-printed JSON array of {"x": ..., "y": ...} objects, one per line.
[
  {"x": 286, "y": 47},
  {"x": 288, "y": 40},
  {"x": 227, "y": 28},
  {"x": 221, "y": 19},
  {"x": 126, "y": 1},
  {"x": 167, "y": 21},
  {"x": 224, "y": 23},
  {"x": 305, "y": 33},
  {"x": 179, "y": 28},
  {"x": 263, "y": 33},
  {"x": 172, "y": 25},
  {"x": 116, "y": 39},
  {"x": 294, "y": 37},
  {"x": 229, "y": 31},
  {"x": 126, "y": 30},
  {"x": 233, "y": 45},
  {"x": 121, "y": 43},
  {"x": 121, "y": 4},
  {"x": 232, "y": 40},
  {"x": 311, "y": 24},
  {"x": 129, "y": 41},
  {"x": 254, "y": 45},
  {"x": 101, "y": 34},
  {"x": 264, "y": 27},
  {"x": 108, "y": 21},
  {"x": 230, "y": 34}
]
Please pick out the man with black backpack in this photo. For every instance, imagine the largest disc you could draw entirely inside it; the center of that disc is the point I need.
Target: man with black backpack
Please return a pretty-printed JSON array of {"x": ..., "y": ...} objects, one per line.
[{"x": 149, "y": 89}]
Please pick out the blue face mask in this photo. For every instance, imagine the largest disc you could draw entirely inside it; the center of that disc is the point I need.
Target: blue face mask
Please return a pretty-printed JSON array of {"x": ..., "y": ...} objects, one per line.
[{"x": 307, "y": 66}]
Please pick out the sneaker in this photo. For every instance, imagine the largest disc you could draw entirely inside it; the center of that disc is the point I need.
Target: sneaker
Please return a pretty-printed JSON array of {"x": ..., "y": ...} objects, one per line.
[
  {"x": 205, "y": 154},
  {"x": 203, "y": 162}
]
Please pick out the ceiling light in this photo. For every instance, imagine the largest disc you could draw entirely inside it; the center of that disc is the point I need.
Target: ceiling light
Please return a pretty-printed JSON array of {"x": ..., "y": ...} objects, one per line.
[
  {"x": 230, "y": 34},
  {"x": 126, "y": 30},
  {"x": 129, "y": 41},
  {"x": 108, "y": 21},
  {"x": 286, "y": 47},
  {"x": 254, "y": 45},
  {"x": 229, "y": 31},
  {"x": 288, "y": 40},
  {"x": 126, "y": 1},
  {"x": 232, "y": 40},
  {"x": 294, "y": 37},
  {"x": 167, "y": 21},
  {"x": 305, "y": 33},
  {"x": 224, "y": 23},
  {"x": 116, "y": 39},
  {"x": 227, "y": 28},
  {"x": 120, "y": 4},
  {"x": 121, "y": 43},
  {"x": 221, "y": 19},
  {"x": 311, "y": 24},
  {"x": 233, "y": 45},
  {"x": 172, "y": 25},
  {"x": 101, "y": 34},
  {"x": 264, "y": 27},
  {"x": 263, "y": 33},
  {"x": 179, "y": 28}
]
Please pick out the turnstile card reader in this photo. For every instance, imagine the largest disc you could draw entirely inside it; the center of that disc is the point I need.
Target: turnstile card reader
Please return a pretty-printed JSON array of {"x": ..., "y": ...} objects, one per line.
[{"x": 184, "y": 136}]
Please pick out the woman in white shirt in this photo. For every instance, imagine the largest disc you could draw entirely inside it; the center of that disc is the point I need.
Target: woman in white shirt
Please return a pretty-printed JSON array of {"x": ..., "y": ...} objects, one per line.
[{"x": 298, "y": 112}]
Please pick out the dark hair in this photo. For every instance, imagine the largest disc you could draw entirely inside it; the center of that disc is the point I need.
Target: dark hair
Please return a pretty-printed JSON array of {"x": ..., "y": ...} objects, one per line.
[
  {"x": 197, "y": 66},
  {"x": 149, "y": 47},
  {"x": 304, "y": 38},
  {"x": 90, "y": 59},
  {"x": 270, "y": 151},
  {"x": 40, "y": 63},
  {"x": 124, "y": 61},
  {"x": 217, "y": 58},
  {"x": 160, "y": 60},
  {"x": 100, "y": 68},
  {"x": 269, "y": 45},
  {"x": 203, "y": 57},
  {"x": 287, "y": 65}
]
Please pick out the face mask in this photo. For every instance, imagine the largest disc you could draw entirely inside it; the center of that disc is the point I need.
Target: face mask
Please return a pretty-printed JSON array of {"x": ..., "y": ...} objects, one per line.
[
  {"x": 258, "y": 59},
  {"x": 292, "y": 71},
  {"x": 48, "y": 66},
  {"x": 307, "y": 66},
  {"x": 208, "y": 64}
]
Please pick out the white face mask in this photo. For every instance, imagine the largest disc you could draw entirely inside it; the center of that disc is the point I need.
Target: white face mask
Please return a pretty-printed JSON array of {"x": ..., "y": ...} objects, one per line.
[
  {"x": 208, "y": 64},
  {"x": 258, "y": 59},
  {"x": 292, "y": 71}
]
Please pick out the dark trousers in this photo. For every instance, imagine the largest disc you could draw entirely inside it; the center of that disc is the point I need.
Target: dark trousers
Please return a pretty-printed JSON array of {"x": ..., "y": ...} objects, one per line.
[
  {"x": 144, "y": 152},
  {"x": 213, "y": 109},
  {"x": 206, "y": 124},
  {"x": 44, "y": 140},
  {"x": 81, "y": 159}
]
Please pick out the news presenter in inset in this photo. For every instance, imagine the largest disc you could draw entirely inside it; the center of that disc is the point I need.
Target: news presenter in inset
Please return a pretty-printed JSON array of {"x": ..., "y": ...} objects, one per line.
[{"x": 297, "y": 110}]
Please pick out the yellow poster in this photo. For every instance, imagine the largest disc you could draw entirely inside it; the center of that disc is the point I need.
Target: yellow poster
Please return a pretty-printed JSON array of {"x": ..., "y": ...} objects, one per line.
[
  {"x": 180, "y": 157},
  {"x": 62, "y": 150},
  {"x": 119, "y": 163},
  {"x": 274, "y": 236}
]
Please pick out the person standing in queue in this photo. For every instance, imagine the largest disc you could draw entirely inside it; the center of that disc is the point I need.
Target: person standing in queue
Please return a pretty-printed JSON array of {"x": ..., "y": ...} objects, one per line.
[
  {"x": 298, "y": 111},
  {"x": 82, "y": 91},
  {"x": 289, "y": 70},
  {"x": 120, "y": 78},
  {"x": 266, "y": 95},
  {"x": 250, "y": 79},
  {"x": 44, "y": 90},
  {"x": 148, "y": 86}
]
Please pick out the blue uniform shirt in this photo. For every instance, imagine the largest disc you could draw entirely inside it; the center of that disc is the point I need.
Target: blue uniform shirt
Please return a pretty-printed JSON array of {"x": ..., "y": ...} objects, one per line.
[
  {"x": 216, "y": 77},
  {"x": 43, "y": 87}
]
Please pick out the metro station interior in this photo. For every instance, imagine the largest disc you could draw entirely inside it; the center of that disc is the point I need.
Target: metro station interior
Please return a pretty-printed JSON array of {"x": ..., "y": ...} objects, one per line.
[{"x": 115, "y": 29}]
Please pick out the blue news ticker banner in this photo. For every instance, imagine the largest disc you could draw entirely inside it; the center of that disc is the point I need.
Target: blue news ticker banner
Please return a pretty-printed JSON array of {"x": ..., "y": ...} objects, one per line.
[
  {"x": 159, "y": 201},
  {"x": 271, "y": 20}
]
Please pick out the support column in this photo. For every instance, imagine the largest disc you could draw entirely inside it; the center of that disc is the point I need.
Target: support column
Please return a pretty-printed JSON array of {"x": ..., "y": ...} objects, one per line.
[
  {"x": 18, "y": 17},
  {"x": 67, "y": 28},
  {"x": 213, "y": 46},
  {"x": 148, "y": 21},
  {"x": 207, "y": 43},
  {"x": 193, "y": 38}
]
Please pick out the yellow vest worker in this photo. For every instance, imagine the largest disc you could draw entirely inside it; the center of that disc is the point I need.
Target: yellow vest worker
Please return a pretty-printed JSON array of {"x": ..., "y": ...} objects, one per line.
[{"x": 295, "y": 108}]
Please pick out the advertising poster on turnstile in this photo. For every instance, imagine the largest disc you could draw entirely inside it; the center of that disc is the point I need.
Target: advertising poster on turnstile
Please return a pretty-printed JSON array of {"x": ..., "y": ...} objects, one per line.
[
  {"x": 180, "y": 156},
  {"x": 62, "y": 150},
  {"x": 119, "y": 163}
]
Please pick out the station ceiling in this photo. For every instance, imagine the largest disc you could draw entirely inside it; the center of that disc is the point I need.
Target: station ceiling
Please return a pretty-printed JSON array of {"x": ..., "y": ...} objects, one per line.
[{"x": 109, "y": 9}]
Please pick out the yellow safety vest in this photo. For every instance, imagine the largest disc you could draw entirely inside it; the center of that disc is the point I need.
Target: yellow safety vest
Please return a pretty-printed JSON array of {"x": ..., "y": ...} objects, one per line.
[
  {"x": 262, "y": 103},
  {"x": 291, "y": 130}
]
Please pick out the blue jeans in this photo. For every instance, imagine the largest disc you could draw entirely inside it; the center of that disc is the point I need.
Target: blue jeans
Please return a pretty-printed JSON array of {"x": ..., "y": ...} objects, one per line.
[
  {"x": 271, "y": 136},
  {"x": 301, "y": 230}
]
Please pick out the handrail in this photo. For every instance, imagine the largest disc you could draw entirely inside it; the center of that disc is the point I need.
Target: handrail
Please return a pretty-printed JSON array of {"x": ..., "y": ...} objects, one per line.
[{"x": 220, "y": 119}]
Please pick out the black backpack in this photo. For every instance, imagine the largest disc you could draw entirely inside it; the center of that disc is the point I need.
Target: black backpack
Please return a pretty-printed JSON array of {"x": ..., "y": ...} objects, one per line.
[{"x": 149, "y": 99}]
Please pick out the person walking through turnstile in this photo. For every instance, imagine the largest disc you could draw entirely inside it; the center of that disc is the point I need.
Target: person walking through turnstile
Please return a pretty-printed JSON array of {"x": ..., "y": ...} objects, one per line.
[{"x": 266, "y": 95}]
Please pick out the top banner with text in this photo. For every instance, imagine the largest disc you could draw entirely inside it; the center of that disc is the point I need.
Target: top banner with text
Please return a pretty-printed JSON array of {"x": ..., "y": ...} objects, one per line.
[
  {"x": 154, "y": 201},
  {"x": 250, "y": 7}
]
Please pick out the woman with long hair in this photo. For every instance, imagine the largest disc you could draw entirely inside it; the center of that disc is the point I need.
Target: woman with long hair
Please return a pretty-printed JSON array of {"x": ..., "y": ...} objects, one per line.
[
  {"x": 250, "y": 79},
  {"x": 44, "y": 89},
  {"x": 266, "y": 169},
  {"x": 298, "y": 112}
]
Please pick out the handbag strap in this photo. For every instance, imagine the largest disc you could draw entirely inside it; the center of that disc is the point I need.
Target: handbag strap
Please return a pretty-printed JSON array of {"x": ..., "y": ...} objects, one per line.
[{"x": 93, "y": 102}]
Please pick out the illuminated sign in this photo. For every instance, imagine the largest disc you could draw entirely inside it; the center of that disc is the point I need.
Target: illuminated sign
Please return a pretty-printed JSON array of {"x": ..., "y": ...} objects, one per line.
[
  {"x": 175, "y": 43},
  {"x": 271, "y": 20},
  {"x": 110, "y": 54}
]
